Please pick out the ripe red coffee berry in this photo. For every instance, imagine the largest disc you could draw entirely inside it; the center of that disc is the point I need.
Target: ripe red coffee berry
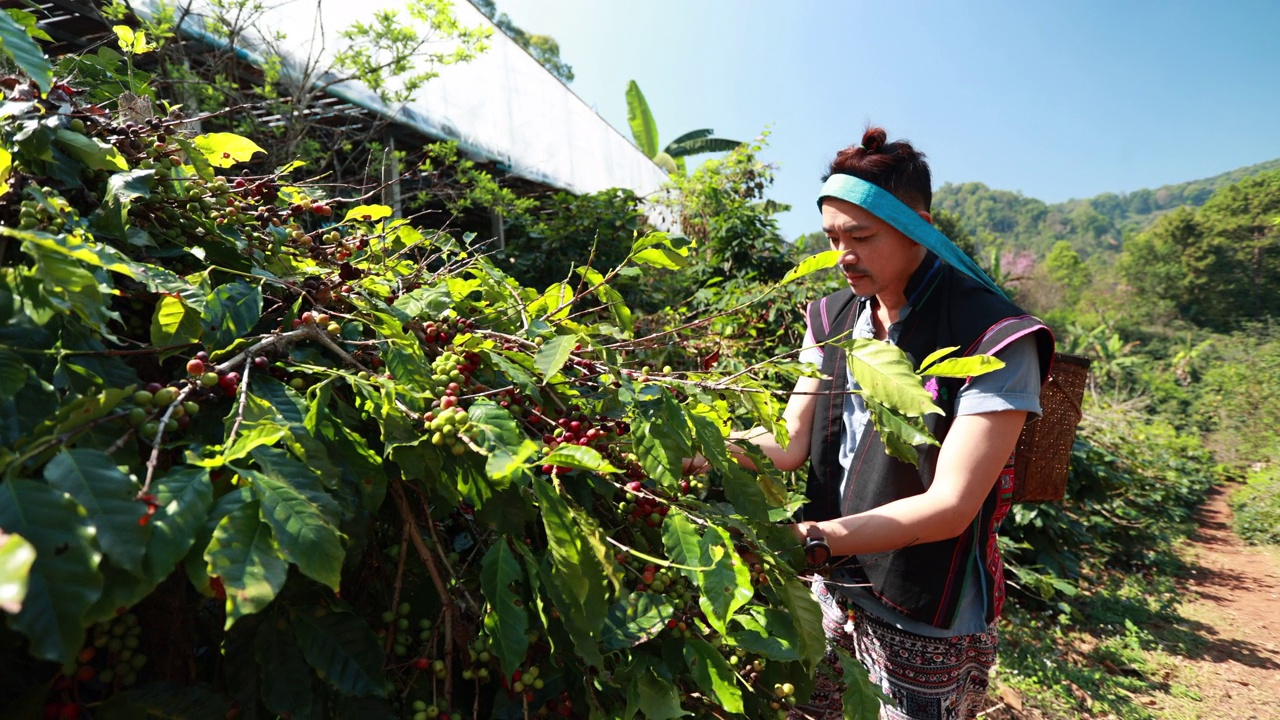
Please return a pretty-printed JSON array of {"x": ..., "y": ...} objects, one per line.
[{"x": 195, "y": 366}]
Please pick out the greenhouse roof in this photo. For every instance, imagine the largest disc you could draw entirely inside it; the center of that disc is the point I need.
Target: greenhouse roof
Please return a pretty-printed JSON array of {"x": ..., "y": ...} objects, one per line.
[{"x": 502, "y": 107}]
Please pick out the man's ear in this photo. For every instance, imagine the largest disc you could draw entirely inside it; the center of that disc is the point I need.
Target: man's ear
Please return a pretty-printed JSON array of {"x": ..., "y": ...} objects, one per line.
[{"x": 928, "y": 217}]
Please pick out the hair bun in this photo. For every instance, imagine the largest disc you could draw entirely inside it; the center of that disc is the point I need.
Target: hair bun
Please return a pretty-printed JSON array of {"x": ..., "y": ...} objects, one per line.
[{"x": 873, "y": 139}]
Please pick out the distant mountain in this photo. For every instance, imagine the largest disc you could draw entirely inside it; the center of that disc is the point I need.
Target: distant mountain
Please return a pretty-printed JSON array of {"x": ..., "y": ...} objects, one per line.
[{"x": 1093, "y": 225}]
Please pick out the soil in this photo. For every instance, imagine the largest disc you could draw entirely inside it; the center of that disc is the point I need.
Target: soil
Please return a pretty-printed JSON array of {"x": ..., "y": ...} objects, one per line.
[
  {"x": 1233, "y": 596},
  {"x": 1228, "y": 664}
]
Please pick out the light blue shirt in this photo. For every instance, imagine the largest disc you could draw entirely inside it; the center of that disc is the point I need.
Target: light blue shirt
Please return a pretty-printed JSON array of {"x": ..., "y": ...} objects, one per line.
[{"x": 1016, "y": 386}]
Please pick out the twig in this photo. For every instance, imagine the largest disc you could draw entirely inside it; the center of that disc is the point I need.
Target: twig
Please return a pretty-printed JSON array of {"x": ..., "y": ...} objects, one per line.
[
  {"x": 450, "y": 607},
  {"x": 395, "y": 593},
  {"x": 159, "y": 438},
  {"x": 244, "y": 397}
]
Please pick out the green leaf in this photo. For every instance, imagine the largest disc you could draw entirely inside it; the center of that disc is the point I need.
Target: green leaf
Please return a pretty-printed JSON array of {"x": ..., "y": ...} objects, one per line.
[
  {"x": 659, "y": 699},
  {"x": 13, "y": 373},
  {"x": 713, "y": 674},
  {"x": 243, "y": 554},
  {"x": 342, "y": 649},
  {"x": 261, "y": 426},
  {"x": 886, "y": 375},
  {"x": 937, "y": 355},
  {"x": 769, "y": 633},
  {"x": 812, "y": 264},
  {"x": 109, "y": 497},
  {"x": 661, "y": 257},
  {"x": 301, "y": 515},
  {"x": 16, "y": 557},
  {"x": 64, "y": 580},
  {"x": 122, "y": 188},
  {"x": 710, "y": 441},
  {"x": 165, "y": 699},
  {"x": 576, "y": 569},
  {"x": 174, "y": 323},
  {"x": 727, "y": 585},
  {"x": 367, "y": 213},
  {"x": 225, "y": 149},
  {"x": 95, "y": 154},
  {"x": 580, "y": 457},
  {"x": 553, "y": 354},
  {"x": 498, "y": 433},
  {"x": 965, "y": 367},
  {"x": 806, "y": 617},
  {"x": 643, "y": 128},
  {"x": 636, "y": 619},
  {"x": 286, "y": 682},
  {"x": 80, "y": 249},
  {"x": 25, "y": 52},
  {"x": 499, "y": 572},
  {"x": 900, "y": 435},
  {"x": 184, "y": 496},
  {"x": 230, "y": 312},
  {"x": 742, "y": 488},
  {"x": 681, "y": 541},
  {"x": 862, "y": 698}
]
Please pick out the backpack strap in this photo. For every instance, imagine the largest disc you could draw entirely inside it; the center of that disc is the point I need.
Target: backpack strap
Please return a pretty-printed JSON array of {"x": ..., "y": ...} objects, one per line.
[
  {"x": 821, "y": 314},
  {"x": 1000, "y": 335}
]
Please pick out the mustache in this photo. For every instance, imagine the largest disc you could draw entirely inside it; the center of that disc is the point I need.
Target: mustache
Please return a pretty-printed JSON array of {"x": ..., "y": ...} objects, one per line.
[{"x": 853, "y": 270}]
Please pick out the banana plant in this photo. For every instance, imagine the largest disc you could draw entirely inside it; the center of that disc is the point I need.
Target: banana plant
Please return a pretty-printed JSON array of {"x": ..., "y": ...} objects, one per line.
[{"x": 670, "y": 158}]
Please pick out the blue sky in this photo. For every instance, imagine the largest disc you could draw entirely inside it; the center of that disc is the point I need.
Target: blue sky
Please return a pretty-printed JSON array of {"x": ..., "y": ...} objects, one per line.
[{"x": 1054, "y": 99}]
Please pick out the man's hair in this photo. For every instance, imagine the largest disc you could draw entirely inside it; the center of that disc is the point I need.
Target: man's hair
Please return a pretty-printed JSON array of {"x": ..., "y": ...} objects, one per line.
[{"x": 897, "y": 167}]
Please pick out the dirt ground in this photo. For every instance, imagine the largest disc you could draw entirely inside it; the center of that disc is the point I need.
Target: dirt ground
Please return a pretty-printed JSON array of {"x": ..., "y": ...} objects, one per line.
[
  {"x": 1233, "y": 595},
  {"x": 1232, "y": 604}
]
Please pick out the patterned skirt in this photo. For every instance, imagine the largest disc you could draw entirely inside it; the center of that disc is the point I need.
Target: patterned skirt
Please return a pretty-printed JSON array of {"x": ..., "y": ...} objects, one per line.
[{"x": 927, "y": 678}]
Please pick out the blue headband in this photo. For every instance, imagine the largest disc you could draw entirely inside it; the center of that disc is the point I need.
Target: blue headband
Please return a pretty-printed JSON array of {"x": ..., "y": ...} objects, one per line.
[{"x": 884, "y": 205}]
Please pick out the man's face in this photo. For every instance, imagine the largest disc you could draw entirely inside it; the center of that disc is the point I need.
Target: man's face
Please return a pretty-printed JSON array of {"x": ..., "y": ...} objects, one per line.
[{"x": 878, "y": 259}]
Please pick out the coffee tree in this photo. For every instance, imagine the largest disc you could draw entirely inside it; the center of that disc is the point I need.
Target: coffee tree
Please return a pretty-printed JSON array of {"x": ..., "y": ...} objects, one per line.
[{"x": 265, "y": 452}]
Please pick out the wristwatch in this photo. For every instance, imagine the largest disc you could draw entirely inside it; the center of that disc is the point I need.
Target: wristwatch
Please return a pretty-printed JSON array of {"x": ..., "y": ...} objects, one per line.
[{"x": 816, "y": 550}]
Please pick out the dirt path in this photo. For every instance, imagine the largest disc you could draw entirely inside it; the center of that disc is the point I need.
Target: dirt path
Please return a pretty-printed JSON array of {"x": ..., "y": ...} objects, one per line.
[{"x": 1233, "y": 596}]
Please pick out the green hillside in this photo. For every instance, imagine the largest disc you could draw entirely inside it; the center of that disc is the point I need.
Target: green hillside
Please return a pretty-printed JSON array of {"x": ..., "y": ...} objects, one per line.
[{"x": 1092, "y": 225}]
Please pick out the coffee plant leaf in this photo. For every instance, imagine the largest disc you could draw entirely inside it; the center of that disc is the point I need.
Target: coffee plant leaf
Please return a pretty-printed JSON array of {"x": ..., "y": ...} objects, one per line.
[
  {"x": 25, "y": 52},
  {"x": 508, "y": 622},
  {"x": 806, "y": 617},
  {"x": 580, "y": 457},
  {"x": 636, "y": 619},
  {"x": 727, "y": 585},
  {"x": 712, "y": 671},
  {"x": 301, "y": 514},
  {"x": 553, "y": 354},
  {"x": 13, "y": 373},
  {"x": 743, "y": 489},
  {"x": 901, "y": 435},
  {"x": 862, "y": 698},
  {"x": 342, "y": 649},
  {"x": 64, "y": 580},
  {"x": 575, "y": 567},
  {"x": 657, "y": 698},
  {"x": 683, "y": 544},
  {"x": 165, "y": 699},
  {"x": 885, "y": 372},
  {"x": 821, "y": 261},
  {"x": 230, "y": 312},
  {"x": 16, "y": 557},
  {"x": 223, "y": 149},
  {"x": 175, "y": 323},
  {"x": 367, "y": 213},
  {"x": 183, "y": 499},
  {"x": 287, "y": 688},
  {"x": 935, "y": 356},
  {"x": 965, "y": 367},
  {"x": 95, "y": 154},
  {"x": 244, "y": 555},
  {"x": 768, "y": 633},
  {"x": 110, "y": 499}
]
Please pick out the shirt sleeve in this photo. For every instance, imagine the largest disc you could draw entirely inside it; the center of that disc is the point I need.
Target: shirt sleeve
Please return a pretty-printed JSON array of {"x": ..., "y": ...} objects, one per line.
[
  {"x": 1016, "y": 386},
  {"x": 809, "y": 352}
]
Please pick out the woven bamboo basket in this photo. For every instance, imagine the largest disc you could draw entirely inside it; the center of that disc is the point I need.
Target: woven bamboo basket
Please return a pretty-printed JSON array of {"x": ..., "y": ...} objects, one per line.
[{"x": 1044, "y": 448}]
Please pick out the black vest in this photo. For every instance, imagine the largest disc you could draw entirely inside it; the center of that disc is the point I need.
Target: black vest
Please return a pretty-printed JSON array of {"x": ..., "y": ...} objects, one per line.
[{"x": 948, "y": 308}]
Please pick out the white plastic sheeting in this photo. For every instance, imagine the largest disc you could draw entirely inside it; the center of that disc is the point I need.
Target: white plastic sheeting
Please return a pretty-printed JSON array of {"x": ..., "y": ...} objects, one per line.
[{"x": 501, "y": 107}]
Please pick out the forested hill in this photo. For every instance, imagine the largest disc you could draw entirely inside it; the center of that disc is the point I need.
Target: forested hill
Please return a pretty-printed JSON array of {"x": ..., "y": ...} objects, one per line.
[{"x": 1092, "y": 225}]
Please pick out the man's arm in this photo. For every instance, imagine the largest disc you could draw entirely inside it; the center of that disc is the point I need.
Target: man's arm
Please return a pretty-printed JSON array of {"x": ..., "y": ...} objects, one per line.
[
  {"x": 799, "y": 420},
  {"x": 972, "y": 456}
]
